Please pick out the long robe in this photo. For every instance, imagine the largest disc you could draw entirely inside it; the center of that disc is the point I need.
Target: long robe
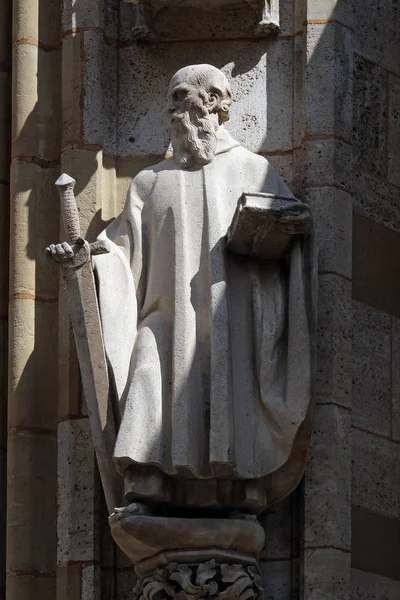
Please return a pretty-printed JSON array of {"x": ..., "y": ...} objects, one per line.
[{"x": 211, "y": 353}]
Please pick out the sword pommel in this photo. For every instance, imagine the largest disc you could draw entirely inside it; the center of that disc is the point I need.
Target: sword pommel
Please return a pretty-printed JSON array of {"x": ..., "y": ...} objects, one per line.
[{"x": 69, "y": 210}]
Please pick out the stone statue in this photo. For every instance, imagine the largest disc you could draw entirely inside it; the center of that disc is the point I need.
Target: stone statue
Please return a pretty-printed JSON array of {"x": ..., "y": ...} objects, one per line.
[{"x": 210, "y": 350}]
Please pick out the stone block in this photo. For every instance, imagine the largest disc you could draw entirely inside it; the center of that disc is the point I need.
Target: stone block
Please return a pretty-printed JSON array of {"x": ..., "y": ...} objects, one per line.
[
  {"x": 283, "y": 164},
  {"x": 30, "y": 587},
  {"x": 371, "y": 368},
  {"x": 35, "y": 223},
  {"x": 394, "y": 130},
  {"x": 395, "y": 379},
  {"x": 83, "y": 14},
  {"x": 33, "y": 365},
  {"x": 329, "y": 163},
  {"x": 145, "y": 71},
  {"x": 333, "y": 373},
  {"x": 71, "y": 87},
  {"x": 329, "y": 74},
  {"x": 69, "y": 582},
  {"x": 37, "y": 102},
  {"x": 376, "y": 34},
  {"x": 101, "y": 92},
  {"x": 369, "y": 586},
  {"x": 376, "y": 473},
  {"x": 40, "y": 20},
  {"x": 279, "y": 102},
  {"x": 78, "y": 492},
  {"x": 375, "y": 543},
  {"x": 376, "y": 200},
  {"x": 5, "y": 34},
  {"x": 277, "y": 580},
  {"x": 4, "y": 247},
  {"x": 326, "y": 574},
  {"x": 277, "y": 523},
  {"x": 376, "y": 253},
  {"x": 369, "y": 116},
  {"x": 31, "y": 502},
  {"x": 125, "y": 583},
  {"x": 326, "y": 10},
  {"x": 332, "y": 211},
  {"x": 5, "y": 125},
  {"x": 91, "y": 582},
  {"x": 327, "y": 486},
  {"x": 85, "y": 167}
]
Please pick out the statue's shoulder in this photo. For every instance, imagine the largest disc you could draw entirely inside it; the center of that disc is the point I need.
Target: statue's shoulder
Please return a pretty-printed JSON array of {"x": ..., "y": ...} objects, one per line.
[{"x": 143, "y": 184}]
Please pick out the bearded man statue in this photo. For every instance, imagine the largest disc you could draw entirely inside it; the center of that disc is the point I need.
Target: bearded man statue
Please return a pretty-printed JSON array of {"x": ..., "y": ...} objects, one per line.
[{"x": 210, "y": 352}]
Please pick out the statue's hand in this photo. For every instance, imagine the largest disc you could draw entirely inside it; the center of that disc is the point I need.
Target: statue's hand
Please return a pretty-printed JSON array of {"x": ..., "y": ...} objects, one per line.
[
  {"x": 70, "y": 256},
  {"x": 295, "y": 224}
]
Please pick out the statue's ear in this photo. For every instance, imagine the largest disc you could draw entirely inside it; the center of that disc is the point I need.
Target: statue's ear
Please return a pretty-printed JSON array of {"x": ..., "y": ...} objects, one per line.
[{"x": 213, "y": 100}]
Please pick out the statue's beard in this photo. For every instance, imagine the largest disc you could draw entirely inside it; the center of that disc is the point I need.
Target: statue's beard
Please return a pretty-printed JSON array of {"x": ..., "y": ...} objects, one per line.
[{"x": 194, "y": 139}]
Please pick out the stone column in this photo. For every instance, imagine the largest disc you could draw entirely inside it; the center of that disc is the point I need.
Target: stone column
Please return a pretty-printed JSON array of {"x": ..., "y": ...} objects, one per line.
[
  {"x": 325, "y": 159},
  {"x": 5, "y": 141},
  {"x": 34, "y": 218}
]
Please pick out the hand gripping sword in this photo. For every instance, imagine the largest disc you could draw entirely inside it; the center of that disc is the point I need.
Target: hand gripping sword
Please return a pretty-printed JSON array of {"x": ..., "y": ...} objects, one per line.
[{"x": 85, "y": 318}]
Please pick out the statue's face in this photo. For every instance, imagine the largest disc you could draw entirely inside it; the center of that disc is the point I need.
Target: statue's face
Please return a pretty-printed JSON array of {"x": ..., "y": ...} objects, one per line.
[
  {"x": 194, "y": 138},
  {"x": 184, "y": 97}
]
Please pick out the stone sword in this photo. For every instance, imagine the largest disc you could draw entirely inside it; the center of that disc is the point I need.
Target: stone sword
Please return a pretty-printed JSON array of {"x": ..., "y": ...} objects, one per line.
[{"x": 86, "y": 324}]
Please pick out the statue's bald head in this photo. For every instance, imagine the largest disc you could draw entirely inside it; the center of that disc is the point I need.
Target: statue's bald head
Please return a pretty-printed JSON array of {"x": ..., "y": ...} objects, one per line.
[{"x": 207, "y": 80}]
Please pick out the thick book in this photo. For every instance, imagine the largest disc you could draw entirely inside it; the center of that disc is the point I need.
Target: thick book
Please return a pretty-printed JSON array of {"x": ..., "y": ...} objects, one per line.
[{"x": 264, "y": 225}]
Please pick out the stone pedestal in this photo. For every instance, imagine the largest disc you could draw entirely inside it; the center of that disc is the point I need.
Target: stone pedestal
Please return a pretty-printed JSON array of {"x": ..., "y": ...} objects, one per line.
[{"x": 191, "y": 558}]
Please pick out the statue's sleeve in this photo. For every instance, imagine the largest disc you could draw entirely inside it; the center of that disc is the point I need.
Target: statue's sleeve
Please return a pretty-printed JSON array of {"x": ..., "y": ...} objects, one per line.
[{"x": 117, "y": 276}]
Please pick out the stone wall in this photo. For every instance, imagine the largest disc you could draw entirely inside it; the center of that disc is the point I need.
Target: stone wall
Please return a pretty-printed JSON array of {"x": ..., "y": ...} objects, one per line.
[
  {"x": 376, "y": 307},
  {"x": 321, "y": 100}
]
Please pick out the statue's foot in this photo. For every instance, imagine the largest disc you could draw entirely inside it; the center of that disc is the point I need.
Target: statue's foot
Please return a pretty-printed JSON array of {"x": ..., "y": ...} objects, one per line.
[
  {"x": 236, "y": 514},
  {"x": 135, "y": 508}
]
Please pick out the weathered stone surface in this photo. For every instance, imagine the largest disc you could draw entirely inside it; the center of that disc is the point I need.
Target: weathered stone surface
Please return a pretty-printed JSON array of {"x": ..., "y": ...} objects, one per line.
[
  {"x": 376, "y": 472},
  {"x": 30, "y": 354},
  {"x": 37, "y": 102},
  {"x": 376, "y": 200},
  {"x": 327, "y": 575},
  {"x": 370, "y": 114},
  {"x": 279, "y": 106},
  {"x": 376, "y": 33},
  {"x": 277, "y": 580},
  {"x": 77, "y": 491},
  {"x": 28, "y": 587},
  {"x": 326, "y": 10},
  {"x": 5, "y": 125},
  {"x": 40, "y": 24},
  {"x": 329, "y": 163},
  {"x": 71, "y": 88},
  {"x": 332, "y": 212},
  {"x": 91, "y": 582},
  {"x": 328, "y": 480},
  {"x": 278, "y": 531},
  {"x": 375, "y": 543},
  {"x": 32, "y": 502},
  {"x": 394, "y": 130},
  {"x": 142, "y": 92},
  {"x": 376, "y": 252},
  {"x": 87, "y": 14},
  {"x": 371, "y": 369},
  {"x": 208, "y": 580},
  {"x": 125, "y": 583},
  {"x": 395, "y": 366},
  {"x": 333, "y": 377},
  {"x": 283, "y": 164},
  {"x": 369, "y": 586},
  {"x": 329, "y": 94},
  {"x": 69, "y": 582},
  {"x": 34, "y": 222},
  {"x": 4, "y": 247},
  {"x": 148, "y": 538}
]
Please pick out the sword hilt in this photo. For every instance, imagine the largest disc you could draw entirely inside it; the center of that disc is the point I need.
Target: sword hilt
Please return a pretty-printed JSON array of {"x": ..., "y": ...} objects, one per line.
[{"x": 69, "y": 210}]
